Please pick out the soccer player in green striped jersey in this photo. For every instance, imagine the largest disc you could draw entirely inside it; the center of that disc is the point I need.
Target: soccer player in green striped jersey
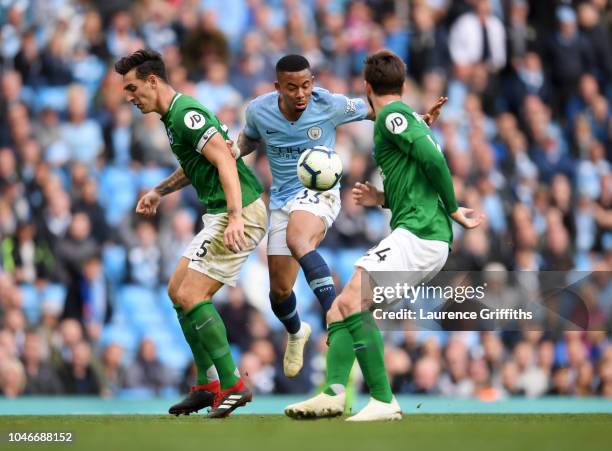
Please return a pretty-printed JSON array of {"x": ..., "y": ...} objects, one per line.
[
  {"x": 418, "y": 190},
  {"x": 234, "y": 223}
]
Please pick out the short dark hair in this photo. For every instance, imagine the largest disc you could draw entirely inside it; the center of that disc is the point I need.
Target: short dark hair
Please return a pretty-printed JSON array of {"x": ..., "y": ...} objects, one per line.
[
  {"x": 146, "y": 62},
  {"x": 292, "y": 63},
  {"x": 385, "y": 72}
]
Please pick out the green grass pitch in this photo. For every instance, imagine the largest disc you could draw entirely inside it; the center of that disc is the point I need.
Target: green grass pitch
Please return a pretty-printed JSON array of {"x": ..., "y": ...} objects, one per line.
[{"x": 447, "y": 432}]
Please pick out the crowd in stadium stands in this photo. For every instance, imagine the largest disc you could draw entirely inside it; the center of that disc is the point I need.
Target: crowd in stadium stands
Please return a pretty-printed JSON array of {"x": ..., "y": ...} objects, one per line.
[{"x": 527, "y": 133}]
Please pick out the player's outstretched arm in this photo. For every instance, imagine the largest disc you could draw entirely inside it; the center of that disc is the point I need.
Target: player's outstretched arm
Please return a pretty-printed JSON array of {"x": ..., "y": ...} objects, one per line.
[
  {"x": 216, "y": 152},
  {"x": 147, "y": 204},
  {"x": 432, "y": 115},
  {"x": 368, "y": 195},
  {"x": 429, "y": 155}
]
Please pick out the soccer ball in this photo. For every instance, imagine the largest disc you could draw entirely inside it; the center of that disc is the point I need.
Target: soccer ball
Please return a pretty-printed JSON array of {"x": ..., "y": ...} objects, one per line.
[{"x": 319, "y": 168}]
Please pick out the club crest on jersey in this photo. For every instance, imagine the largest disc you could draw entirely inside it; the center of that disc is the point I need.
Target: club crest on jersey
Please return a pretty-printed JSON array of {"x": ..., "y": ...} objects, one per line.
[
  {"x": 396, "y": 123},
  {"x": 351, "y": 107},
  {"x": 194, "y": 120},
  {"x": 315, "y": 132}
]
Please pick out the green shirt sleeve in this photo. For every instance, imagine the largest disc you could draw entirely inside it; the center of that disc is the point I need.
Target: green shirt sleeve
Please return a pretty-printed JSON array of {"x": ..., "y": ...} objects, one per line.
[
  {"x": 412, "y": 136},
  {"x": 195, "y": 128},
  {"x": 429, "y": 155}
]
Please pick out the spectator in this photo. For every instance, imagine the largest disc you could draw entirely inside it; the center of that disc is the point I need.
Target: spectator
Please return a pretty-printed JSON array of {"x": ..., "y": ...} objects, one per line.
[
  {"x": 76, "y": 247},
  {"x": 510, "y": 379},
  {"x": 398, "y": 365},
  {"x": 236, "y": 314},
  {"x": 12, "y": 378},
  {"x": 41, "y": 377},
  {"x": 528, "y": 78},
  {"x": 114, "y": 375},
  {"x": 144, "y": 258},
  {"x": 259, "y": 378},
  {"x": 89, "y": 298},
  {"x": 175, "y": 239},
  {"x": 481, "y": 377},
  {"x": 147, "y": 371},
  {"x": 88, "y": 204},
  {"x": 71, "y": 334},
  {"x": 569, "y": 55},
  {"x": 428, "y": 44},
  {"x": 214, "y": 90},
  {"x": 78, "y": 376},
  {"x": 83, "y": 136},
  {"x": 54, "y": 68},
  {"x": 469, "y": 47},
  {"x": 521, "y": 36},
  {"x": 455, "y": 381},
  {"x": 598, "y": 37},
  {"x": 30, "y": 257},
  {"x": 425, "y": 376},
  {"x": 531, "y": 379}
]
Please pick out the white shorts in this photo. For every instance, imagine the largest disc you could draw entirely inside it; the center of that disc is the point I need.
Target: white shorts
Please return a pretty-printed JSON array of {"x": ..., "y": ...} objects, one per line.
[
  {"x": 414, "y": 259},
  {"x": 324, "y": 204},
  {"x": 207, "y": 251}
]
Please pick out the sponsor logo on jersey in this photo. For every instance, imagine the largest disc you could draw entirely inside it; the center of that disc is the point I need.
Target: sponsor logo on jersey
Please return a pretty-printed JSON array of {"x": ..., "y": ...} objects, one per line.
[
  {"x": 194, "y": 120},
  {"x": 396, "y": 123},
  {"x": 315, "y": 132},
  {"x": 285, "y": 153},
  {"x": 170, "y": 137}
]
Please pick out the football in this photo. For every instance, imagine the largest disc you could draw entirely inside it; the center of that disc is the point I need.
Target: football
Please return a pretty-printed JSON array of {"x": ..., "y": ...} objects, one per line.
[{"x": 319, "y": 168}]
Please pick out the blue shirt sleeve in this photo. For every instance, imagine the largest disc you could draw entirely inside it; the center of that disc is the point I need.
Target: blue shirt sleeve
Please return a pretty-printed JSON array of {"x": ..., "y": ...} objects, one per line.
[
  {"x": 348, "y": 110},
  {"x": 250, "y": 128}
]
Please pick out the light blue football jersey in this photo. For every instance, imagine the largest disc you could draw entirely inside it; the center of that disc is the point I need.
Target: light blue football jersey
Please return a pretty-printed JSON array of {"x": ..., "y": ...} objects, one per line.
[{"x": 286, "y": 140}]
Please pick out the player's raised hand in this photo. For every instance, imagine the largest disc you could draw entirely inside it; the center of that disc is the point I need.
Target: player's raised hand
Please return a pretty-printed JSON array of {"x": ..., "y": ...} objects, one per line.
[
  {"x": 433, "y": 113},
  {"x": 233, "y": 237},
  {"x": 147, "y": 205},
  {"x": 367, "y": 195},
  {"x": 468, "y": 218}
]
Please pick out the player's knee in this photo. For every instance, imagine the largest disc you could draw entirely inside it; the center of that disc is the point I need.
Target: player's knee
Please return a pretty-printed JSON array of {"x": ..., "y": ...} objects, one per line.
[
  {"x": 347, "y": 305},
  {"x": 333, "y": 315},
  {"x": 173, "y": 294},
  {"x": 299, "y": 245},
  {"x": 279, "y": 293},
  {"x": 185, "y": 298}
]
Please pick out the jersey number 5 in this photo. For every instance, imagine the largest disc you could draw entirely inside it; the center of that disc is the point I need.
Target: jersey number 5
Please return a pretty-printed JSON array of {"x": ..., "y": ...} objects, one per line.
[{"x": 202, "y": 251}]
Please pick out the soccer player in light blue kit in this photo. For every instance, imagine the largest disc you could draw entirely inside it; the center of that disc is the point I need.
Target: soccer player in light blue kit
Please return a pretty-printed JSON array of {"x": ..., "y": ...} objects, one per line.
[{"x": 296, "y": 117}]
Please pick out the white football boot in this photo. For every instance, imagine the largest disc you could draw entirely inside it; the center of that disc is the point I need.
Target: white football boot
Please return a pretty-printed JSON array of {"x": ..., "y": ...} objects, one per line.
[
  {"x": 378, "y": 411},
  {"x": 294, "y": 353},
  {"x": 320, "y": 406}
]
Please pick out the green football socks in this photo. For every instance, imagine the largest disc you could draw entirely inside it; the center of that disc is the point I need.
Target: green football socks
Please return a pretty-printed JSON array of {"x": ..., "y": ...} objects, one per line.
[
  {"x": 203, "y": 362},
  {"x": 211, "y": 333},
  {"x": 369, "y": 350},
  {"x": 340, "y": 357}
]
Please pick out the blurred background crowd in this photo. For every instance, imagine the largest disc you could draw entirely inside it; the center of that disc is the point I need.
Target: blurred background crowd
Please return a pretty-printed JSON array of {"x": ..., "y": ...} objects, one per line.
[{"x": 527, "y": 133}]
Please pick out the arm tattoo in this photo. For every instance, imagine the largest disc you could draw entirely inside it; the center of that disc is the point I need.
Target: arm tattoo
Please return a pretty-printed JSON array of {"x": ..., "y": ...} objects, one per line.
[
  {"x": 172, "y": 183},
  {"x": 247, "y": 145}
]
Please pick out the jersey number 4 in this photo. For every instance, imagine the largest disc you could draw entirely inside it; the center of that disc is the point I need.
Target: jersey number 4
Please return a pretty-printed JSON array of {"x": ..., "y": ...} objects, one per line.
[{"x": 381, "y": 254}]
